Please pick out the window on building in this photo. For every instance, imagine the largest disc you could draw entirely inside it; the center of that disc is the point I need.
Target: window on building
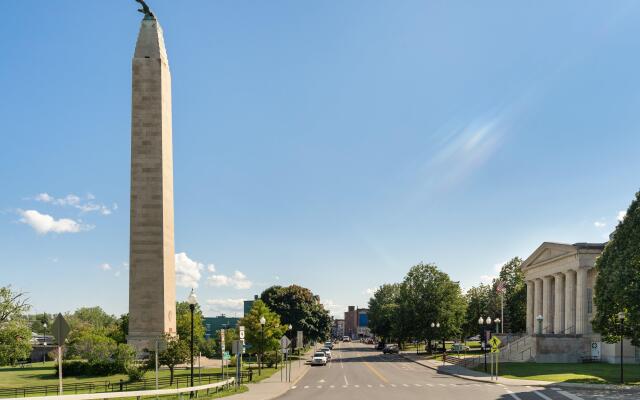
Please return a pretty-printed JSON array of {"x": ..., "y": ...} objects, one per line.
[{"x": 589, "y": 300}]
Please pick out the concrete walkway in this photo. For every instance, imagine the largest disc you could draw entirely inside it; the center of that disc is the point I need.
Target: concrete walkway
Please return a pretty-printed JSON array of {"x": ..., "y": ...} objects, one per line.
[
  {"x": 272, "y": 387},
  {"x": 468, "y": 374}
]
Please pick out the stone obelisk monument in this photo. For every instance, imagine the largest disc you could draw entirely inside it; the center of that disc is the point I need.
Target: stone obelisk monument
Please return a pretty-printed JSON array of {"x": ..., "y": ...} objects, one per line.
[{"x": 152, "y": 295}]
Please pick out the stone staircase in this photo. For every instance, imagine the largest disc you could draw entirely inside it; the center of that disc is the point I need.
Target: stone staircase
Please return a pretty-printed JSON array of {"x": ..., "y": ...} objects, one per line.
[{"x": 520, "y": 350}]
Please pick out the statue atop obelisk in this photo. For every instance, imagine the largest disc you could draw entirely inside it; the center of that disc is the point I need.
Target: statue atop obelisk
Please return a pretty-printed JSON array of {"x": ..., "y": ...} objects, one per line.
[{"x": 152, "y": 294}]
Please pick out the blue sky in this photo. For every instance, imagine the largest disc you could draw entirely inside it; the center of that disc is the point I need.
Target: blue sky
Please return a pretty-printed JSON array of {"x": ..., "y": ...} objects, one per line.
[{"x": 330, "y": 144}]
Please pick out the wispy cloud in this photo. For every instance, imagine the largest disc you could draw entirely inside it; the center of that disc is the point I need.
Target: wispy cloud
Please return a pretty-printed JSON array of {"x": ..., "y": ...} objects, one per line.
[
  {"x": 86, "y": 204},
  {"x": 238, "y": 281},
  {"x": 224, "y": 306},
  {"x": 336, "y": 310},
  {"x": 599, "y": 224},
  {"x": 105, "y": 267},
  {"x": 621, "y": 215}
]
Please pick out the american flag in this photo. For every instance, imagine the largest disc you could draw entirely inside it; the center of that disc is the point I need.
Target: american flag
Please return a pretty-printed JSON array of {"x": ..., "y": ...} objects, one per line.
[{"x": 500, "y": 287}]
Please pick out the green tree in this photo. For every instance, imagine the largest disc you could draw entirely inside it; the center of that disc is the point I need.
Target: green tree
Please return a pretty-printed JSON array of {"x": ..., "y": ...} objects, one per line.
[
  {"x": 183, "y": 323},
  {"x": 299, "y": 307},
  {"x": 515, "y": 297},
  {"x": 383, "y": 311},
  {"x": 15, "y": 344},
  {"x": 480, "y": 303},
  {"x": 94, "y": 317},
  {"x": 12, "y": 304},
  {"x": 92, "y": 346},
  {"x": 428, "y": 295},
  {"x": 176, "y": 352},
  {"x": 617, "y": 287},
  {"x": 273, "y": 329}
]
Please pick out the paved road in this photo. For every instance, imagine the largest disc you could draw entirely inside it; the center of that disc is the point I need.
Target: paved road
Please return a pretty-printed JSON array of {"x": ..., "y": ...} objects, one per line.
[{"x": 359, "y": 372}]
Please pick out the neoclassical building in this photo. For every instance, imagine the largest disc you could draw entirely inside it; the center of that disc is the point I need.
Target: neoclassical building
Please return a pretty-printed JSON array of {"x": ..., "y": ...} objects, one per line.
[{"x": 560, "y": 279}]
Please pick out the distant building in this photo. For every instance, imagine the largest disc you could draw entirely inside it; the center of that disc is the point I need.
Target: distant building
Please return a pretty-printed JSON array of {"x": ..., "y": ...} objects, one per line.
[
  {"x": 356, "y": 322},
  {"x": 213, "y": 324},
  {"x": 337, "y": 329},
  {"x": 248, "y": 304}
]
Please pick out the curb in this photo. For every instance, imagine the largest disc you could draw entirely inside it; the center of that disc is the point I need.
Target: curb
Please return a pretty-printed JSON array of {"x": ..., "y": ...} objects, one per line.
[{"x": 589, "y": 386}]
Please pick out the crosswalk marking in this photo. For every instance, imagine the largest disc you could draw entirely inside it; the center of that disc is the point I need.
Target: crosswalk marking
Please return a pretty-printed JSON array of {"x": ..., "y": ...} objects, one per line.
[
  {"x": 544, "y": 396},
  {"x": 331, "y": 387},
  {"x": 369, "y": 386},
  {"x": 405, "y": 385},
  {"x": 417, "y": 384},
  {"x": 569, "y": 395},
  {"x": 293, "y": 387},
  {"x": 357, "y": 386},
  {"x": 306, "y": 387}
]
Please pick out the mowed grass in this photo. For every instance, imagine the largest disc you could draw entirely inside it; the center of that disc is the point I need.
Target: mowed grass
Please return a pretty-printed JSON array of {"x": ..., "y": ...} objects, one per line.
[
  {"x": 572, "y": 373},
  {"x": 39, "y": 374}
]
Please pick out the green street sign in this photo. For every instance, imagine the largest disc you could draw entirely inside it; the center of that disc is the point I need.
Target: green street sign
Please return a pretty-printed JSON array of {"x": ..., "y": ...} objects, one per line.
[{"x": 226, "y": 356}]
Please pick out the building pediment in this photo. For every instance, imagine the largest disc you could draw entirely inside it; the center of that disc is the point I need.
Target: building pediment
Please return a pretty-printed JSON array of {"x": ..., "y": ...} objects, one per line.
[{"x": 549, "y": 252}]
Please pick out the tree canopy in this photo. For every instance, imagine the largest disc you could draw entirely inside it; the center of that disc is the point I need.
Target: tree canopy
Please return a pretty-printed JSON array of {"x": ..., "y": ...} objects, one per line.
[
  {"x": 617, "y": 287},
  {"x": 273, "y": 328},
  {"x": 299, "y": 307}
]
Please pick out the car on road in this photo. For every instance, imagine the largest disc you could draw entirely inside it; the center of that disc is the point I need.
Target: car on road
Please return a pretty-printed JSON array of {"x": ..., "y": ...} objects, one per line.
[
  {"x": 346, "y": 339},
  {"x": 458, "y": 347},
  {"x": 380, "y": 345},
  {"x": 319, "y": 358},
  {"x": 327, "y": 351},
  {"x": 329, "y": 345},
  {"x": 391, "y": 349}
]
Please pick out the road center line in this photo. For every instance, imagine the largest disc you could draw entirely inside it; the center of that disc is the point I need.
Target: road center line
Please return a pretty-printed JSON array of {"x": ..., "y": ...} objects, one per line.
[
  {"x": 376, "y": 372},
  {"x": 346, "y": 382}
]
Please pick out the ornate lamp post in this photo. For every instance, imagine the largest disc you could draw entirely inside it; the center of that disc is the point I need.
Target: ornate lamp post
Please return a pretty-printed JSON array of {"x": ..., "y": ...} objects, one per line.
[
  {"x": 44, "y": 342},
  {"x": 539, "y": 318},
  {"x": 192, "y": 300},
  {"x": 621, "y": 317},
  {"x": 481, "y": 322},
  {"x": 262, "y": 322}
]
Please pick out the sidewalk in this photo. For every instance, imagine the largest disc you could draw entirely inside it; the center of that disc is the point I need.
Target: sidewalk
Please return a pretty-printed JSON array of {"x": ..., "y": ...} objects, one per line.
[
  {"x": 471, "y": 375},
  {"x": 271, "y": 387}
]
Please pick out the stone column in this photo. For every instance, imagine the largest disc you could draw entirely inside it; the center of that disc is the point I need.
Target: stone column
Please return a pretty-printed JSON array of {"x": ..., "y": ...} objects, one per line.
[
  {"x": 531, "y": 320},
  {"x": 581, "y": 300},
  {"x": 547, "y": 305},
  {"x": 570, "y": 302},
  {"x": 537, "y": 304},
  {"x": 558, "y": 314}
]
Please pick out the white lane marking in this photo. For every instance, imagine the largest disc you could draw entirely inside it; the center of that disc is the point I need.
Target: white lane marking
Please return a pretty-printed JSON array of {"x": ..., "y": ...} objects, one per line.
[
  {"x": 293, "y": 387},
  {"x": 441, "y": 384},
  {"x": 515, "y": 396},
  {"x": 393, "y": 385},
  {"x": 321, "y": 381},
  {"x": 405, "y": 385},
  {"x": 357, "y": 386},
  {"x": 331, "y": 387},
  {"x": 544, "y": 396},
  {"x": 319, "y": 386},
  {"x": 381, "y": 385},
  {"x": 369, "y": 386},
  {"x": 346, "y": 382},
  {"x": 430, "y": 384},
  {"x": 417, "y": 384},
  {"x": 306, "y": 387},
  {"x": 569, "y": 395},
  {"x": 344, "y": 386}
]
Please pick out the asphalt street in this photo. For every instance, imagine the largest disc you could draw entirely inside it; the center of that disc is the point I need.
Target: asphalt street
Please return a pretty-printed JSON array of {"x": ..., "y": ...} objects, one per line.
[{"x": 357, "y": 371}]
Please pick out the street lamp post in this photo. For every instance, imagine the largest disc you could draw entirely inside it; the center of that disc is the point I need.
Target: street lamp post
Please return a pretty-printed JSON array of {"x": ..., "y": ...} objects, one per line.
[
  {"x": 289, "y": 358},
  {"x": 498, "y": 325},
  {"x": 192, "y": 300},
  {"x": 44, "y": 342},
  {"x": 481, "y": 322},
  {"x": 539, "y": 318},
  {"x": 621, "y": 317},
  {"x": 263, "y": 321}
]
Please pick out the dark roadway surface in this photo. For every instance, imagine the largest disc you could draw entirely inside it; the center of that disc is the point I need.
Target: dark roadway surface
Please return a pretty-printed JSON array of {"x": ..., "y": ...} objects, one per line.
[{"x": 360, "y": 372}]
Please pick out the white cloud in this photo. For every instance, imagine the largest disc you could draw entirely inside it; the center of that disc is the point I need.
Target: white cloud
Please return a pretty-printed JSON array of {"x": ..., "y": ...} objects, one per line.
[
  {"x": 370, "y": 291},
  {"x": 225, "y": 306},
  {"x": 486, "y": 279},
  {"x": 334, "y": 309},
  {"x": 187, "y": 271},
  {"x": 621, "y": 215},
  {"x": 105, "y": 267},
  {"x": 238, "y": 281},
  {"x": 85, "y": 205},
  {"x": 599, "y": 224},
  {"x": 44, "y": 223},
  {"x": 211, "y": 268}
]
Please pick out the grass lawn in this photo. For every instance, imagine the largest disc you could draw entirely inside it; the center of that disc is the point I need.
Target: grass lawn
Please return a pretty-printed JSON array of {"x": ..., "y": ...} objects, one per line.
[
  {"x": 39, "y": 374},
  {"x": 573, "y": 373}
]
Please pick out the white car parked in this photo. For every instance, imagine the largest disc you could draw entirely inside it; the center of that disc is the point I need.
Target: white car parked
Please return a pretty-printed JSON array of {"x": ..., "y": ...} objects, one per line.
[{"x": 319, "y": 358}]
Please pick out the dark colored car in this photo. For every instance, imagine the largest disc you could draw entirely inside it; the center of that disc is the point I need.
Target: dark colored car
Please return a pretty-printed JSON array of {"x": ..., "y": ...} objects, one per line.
[
  {"x": 380, "y": 346},
  {"x": 391, "y": 349}
]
